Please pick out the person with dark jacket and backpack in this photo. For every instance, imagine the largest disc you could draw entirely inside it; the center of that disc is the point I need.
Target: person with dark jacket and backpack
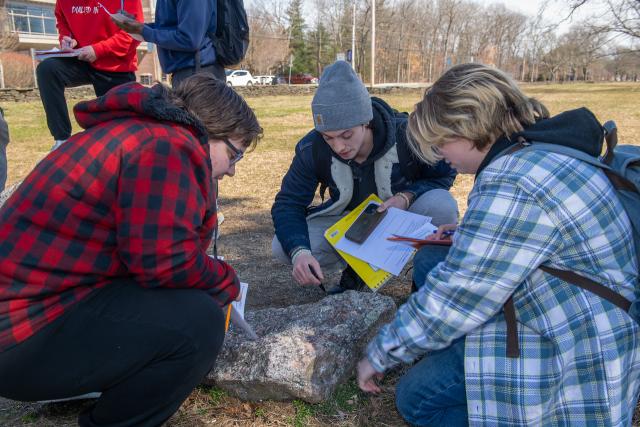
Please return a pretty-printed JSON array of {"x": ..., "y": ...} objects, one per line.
[
  {"x": 4, "y": 141},
  {"x": 105, "y": 281},
  {"x": 358, "y": 147},
  {"x": 181, "y": 33},
  {"x": 504, "y": 340}
]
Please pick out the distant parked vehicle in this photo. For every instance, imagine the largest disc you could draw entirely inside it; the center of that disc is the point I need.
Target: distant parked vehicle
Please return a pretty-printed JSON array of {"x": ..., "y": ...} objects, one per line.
[
  {"x": 265, "y": 80},
  {"x": 240, "y": 78},
  {"x": 280, "y": 80},
  {"x": 303, "y": 78},
  {"x": 297, "y": 79}
]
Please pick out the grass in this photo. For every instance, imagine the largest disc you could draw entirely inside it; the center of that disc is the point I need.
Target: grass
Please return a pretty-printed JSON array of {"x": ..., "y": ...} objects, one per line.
[{"x": 246, "y": 201}]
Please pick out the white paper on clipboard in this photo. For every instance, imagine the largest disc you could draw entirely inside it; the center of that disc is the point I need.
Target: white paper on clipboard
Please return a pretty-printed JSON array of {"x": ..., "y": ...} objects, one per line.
[{"x": 119, "y": 17}]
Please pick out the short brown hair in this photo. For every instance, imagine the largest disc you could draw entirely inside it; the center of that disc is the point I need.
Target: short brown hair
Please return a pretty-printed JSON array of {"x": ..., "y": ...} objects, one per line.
[
  {"x": 222, "y": 111},
  {"x": 472, "y": 101}
]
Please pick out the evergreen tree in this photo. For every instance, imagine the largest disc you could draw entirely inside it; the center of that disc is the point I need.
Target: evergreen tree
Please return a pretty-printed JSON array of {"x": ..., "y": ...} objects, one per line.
[{"x": 302, "y": 60}]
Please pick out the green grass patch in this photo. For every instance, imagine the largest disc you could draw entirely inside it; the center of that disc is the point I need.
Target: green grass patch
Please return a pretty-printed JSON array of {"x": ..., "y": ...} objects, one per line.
[
  {"x": 304, "y": 412},
  {"x": 29, "y": 418},
  {"x": 216, "y": 395}
]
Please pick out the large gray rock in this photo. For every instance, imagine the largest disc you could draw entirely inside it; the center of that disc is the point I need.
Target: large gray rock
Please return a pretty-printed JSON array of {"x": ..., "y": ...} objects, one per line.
[{"x": 304, "y": 351}]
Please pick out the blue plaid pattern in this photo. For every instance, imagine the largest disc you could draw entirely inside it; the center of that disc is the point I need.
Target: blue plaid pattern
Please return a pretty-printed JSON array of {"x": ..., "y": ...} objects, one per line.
[{"x": 579, "y": 353}]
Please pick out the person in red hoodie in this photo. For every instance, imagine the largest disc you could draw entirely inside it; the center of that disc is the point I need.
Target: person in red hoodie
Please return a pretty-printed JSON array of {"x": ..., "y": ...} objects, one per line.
[
  {"x": 106, "y": 57},
  {"x": 105, "y": 281}
]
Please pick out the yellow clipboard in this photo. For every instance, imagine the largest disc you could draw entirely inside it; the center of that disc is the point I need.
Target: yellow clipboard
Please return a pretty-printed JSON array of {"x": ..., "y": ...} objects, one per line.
[{"x": 374, "y": 279}]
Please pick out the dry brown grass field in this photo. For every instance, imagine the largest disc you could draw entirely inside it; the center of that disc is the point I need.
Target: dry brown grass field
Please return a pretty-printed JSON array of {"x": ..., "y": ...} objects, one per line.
[{"x": 246, "y": 238}]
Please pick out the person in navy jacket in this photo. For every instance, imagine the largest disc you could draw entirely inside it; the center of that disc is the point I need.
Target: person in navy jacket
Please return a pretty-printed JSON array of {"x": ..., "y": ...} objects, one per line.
[
  {"x": 358, "y": 147},
  {"x": 180, "y": 32}
]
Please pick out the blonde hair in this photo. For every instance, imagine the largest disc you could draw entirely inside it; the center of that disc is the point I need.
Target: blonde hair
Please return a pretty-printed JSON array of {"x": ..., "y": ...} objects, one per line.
[{"x": 471, "y": 101}]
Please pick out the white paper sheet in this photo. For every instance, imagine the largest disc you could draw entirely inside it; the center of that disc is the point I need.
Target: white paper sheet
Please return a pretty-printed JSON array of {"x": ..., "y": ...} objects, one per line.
[
  {"x": 239, "y": 305},
  {"x": 41, "y": 55},
  {"x": 380, "y": 252}
]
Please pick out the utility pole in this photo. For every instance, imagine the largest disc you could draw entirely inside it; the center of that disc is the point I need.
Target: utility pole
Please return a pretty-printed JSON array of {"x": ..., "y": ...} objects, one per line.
[
  {"x": 353, "y": 38},
  {"x": 373, "y": 42}
]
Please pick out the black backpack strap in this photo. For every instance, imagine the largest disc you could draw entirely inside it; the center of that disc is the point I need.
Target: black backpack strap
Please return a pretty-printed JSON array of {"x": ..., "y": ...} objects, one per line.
[
  {"x": 322, "y": 164},
  {"x": 513, "y": 349},
  {"x": 197, "y": 61},
  {"x": 220, "y": 8}
]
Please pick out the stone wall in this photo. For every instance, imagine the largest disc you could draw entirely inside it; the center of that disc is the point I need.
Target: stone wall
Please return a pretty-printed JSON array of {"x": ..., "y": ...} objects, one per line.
[
  {"x": 32, "y": 94},
  {"x": 84, "y": 92}
]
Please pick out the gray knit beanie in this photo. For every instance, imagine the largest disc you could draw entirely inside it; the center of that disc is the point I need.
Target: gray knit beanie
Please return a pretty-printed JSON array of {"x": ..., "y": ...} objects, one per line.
[{"x": 341, "y": 100}]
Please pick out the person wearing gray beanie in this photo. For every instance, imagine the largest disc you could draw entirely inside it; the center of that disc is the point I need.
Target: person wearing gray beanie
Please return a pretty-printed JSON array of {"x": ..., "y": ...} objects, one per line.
[
  {"x": 341, "y": 101},
  {"x": 358, "y": 147}
]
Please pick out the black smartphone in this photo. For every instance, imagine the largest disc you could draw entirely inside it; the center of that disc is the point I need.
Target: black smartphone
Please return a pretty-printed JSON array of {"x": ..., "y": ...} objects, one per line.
[{"x": 365, "y": 223}]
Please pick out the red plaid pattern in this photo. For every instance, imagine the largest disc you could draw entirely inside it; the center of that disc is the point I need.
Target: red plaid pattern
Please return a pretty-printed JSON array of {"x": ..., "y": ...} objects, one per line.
[{"x": 132, "y": 197}]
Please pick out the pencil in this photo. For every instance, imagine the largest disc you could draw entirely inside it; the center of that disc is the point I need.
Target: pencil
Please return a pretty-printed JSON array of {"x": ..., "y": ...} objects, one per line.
[{"x": 228, "y": 319}]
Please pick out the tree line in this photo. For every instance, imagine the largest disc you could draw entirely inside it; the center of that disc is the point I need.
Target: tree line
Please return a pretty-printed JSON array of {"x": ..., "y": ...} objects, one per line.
[{"x": 416, "y": 40}]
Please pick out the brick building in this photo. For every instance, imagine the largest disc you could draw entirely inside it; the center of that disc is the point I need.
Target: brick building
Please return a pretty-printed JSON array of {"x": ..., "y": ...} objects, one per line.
[{"x": 34, "y": 23}]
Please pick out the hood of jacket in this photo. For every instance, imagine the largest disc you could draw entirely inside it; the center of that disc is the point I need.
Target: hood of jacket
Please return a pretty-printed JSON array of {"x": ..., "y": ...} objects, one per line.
[
  {"x": 134, "y": 100},
  {"x": 578, "y": 129}
]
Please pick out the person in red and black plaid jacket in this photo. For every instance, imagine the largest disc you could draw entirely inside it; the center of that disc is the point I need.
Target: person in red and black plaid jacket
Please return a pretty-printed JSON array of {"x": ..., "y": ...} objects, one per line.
[{"x": 105, "y": 283}]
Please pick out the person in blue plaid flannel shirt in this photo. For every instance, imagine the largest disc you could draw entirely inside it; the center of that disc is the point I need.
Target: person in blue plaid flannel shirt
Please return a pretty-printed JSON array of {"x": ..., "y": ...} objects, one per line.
[{"x": 577, "y": 355}]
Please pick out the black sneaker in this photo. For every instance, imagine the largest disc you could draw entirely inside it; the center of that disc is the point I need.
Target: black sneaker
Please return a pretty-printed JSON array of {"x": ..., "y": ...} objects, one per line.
[{"x": 349, "y": 281}]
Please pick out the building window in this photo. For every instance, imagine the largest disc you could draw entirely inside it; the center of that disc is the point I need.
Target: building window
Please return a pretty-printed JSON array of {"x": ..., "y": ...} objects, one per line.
[{"x": 32, "y": 19}]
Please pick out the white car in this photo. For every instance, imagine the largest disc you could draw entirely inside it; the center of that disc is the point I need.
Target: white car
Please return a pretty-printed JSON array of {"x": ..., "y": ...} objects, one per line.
[
  {"x": 265, "y": 80},
  {"x": 240, "y": 78}
]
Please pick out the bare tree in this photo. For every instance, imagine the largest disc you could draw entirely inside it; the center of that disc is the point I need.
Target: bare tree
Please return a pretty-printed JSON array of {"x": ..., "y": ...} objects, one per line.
[
  {"x": 622, "y": 16},
  {"x": 269, "y": 44}
]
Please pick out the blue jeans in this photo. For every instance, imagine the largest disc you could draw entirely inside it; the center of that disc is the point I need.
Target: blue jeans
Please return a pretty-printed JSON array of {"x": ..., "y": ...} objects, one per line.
[
  {"x": 432, "y": 393},
  {"x": 424, "y": 261}
]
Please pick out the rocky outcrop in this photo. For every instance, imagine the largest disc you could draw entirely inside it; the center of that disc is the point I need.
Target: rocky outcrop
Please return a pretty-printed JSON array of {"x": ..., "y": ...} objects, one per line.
[{"x": 303, "y": 351}]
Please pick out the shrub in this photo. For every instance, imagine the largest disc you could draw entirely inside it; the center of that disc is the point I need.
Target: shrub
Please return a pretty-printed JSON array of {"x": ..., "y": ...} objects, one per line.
[{"x": 18, "y": 69}]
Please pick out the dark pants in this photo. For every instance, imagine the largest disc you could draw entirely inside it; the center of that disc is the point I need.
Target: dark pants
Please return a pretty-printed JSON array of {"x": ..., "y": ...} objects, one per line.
[
  {"x": 4, "y": 141},
  {"x": 56, "y": 74},
  {"x": 144, "y": 349},
  {"x": 216, "y": 69}
]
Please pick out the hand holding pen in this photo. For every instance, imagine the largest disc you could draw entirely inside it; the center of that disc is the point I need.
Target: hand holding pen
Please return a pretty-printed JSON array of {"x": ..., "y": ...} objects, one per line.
[
  {"x": 67, "y": 43},
  {"x": 444, "y": 232},
  {"x": 317, "y": 277}
]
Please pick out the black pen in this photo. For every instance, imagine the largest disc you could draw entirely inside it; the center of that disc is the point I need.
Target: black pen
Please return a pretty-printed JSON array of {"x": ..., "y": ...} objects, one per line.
[{"x": 316, "y": 276}]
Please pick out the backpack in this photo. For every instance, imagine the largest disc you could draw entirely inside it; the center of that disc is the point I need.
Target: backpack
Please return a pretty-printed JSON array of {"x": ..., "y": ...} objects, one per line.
[
  {"x": 231, "y": 37},
  {"x": 621, "y": 165}
]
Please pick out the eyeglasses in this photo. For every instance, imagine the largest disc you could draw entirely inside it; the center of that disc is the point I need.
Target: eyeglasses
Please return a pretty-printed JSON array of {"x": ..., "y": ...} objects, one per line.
[{"x": 237, "y": 154}]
